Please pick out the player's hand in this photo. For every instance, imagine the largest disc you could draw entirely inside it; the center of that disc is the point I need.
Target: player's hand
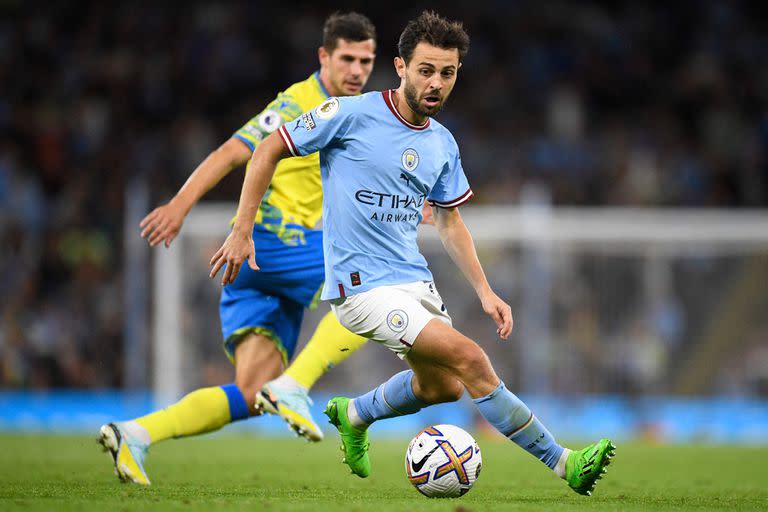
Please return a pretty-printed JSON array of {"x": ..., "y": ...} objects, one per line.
[
  {"x": 500, "y": 311},
  {"x": 427, "y": 216},
  {"x": 163, "y": 224},
  {"x": 237, "y": 248}
]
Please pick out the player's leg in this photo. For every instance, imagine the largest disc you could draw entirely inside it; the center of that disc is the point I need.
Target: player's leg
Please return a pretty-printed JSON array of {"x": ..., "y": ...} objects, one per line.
[
  {"x": 294, "y": 257},
  {"x": 201, "y": 411},
  {"x": 404, "y": 393},
  {"x": 288, "y": 396},
  {"x": 442, "y": 345},
  {"x": 438, "y": 346},
  {"x": 441, "y": 350},
  {"x": 448, "y": 349},
  {"x": 393, "y": 316},
  {"x": 260, "y": 332},
  {"x": 204, "y": 410},
  {"x": 399, "y": 395},
  {"x": 257, "y": 361},
  {"x": 431, "y": 379},
  {"x": 329, "y": 346}
]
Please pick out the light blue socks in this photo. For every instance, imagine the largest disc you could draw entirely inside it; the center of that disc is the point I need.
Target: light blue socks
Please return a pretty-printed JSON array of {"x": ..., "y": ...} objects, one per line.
[
  {"x": 393, "y": 398},
  {"x": 512, "y": 418}
]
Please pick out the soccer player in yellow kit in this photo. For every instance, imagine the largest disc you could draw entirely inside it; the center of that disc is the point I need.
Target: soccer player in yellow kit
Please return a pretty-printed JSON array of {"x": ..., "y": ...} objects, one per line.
[{"x": 261, "y": 311}]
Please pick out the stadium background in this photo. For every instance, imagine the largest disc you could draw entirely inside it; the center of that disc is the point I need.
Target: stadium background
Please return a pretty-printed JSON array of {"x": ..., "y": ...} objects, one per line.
[{"x": 105, "y": 108}]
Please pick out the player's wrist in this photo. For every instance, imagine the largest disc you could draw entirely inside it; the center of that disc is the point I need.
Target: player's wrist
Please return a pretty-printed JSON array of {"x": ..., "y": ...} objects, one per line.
[
  {"x": 241, "y": 230},
  {"x": 484, "y": 292},
  {"x": 181, "y": 203}
]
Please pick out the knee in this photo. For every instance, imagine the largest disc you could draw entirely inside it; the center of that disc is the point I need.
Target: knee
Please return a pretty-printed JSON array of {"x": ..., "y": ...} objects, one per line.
[
  {"x": 472, "y": 362},
  {"x": 453, "y": 392},
  {"x": 447, "y": 390}
]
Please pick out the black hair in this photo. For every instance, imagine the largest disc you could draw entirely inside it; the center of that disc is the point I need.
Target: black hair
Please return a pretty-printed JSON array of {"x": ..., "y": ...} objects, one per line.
[
  {"x": 351, "y": 26},
  {"x": 432, "y": 28}
]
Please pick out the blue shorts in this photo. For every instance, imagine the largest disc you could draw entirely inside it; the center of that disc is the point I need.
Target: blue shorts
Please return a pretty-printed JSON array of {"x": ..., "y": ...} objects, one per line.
[{"x": 271, "y": 301}]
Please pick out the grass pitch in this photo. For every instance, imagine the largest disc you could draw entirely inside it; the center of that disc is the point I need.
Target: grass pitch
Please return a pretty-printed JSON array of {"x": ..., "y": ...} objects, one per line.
[{"x": 250, "y": 474}]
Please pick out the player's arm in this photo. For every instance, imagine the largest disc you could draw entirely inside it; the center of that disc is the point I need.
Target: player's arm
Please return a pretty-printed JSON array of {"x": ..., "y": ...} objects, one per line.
[
  {"x": 164, "y": 222},
  {"x": 238, "y": 246},
  {"x": 459, "y": 245},
  {"x": 306, "y": 134}
]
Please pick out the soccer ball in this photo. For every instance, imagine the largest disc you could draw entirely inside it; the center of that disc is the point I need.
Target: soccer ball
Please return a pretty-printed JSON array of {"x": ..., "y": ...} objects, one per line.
[{"x": 443, "y": 461}]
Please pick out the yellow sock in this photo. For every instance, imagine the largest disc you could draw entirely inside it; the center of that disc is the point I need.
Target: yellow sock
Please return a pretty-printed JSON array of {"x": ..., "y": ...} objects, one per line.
[
  {"x": 331, "y": 344},
  {"x": 203, "y": 410}
]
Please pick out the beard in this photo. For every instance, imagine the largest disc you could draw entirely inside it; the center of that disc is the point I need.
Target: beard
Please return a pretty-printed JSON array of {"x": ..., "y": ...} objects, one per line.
[{"x": 413, "y": 101}]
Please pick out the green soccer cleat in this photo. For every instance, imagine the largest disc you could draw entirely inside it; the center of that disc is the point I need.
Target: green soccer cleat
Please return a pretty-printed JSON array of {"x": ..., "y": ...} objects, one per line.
[
  {"x": 291, "y": 404},
  {"x": 354, "y": 441},
  {"x": 585, "y": 467},
  {"x": 127, "y": 453}
]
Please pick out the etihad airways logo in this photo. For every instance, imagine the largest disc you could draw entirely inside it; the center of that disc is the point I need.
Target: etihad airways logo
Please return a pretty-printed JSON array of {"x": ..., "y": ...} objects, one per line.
[
  {"x": 392, "y": 201},
  {"x": 385, "y": 200}
]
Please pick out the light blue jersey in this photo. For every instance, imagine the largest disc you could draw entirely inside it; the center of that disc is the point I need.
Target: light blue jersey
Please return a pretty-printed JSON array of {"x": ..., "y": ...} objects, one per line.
[{"x": 377, "y": 170}]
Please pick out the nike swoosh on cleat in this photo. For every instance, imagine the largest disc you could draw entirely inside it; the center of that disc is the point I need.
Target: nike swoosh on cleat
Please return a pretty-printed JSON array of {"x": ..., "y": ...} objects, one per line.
[{"x": 418, "y": 465}]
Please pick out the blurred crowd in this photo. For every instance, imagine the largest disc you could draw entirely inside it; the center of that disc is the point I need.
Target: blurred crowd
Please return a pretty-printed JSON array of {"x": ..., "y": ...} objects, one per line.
[{"x": 602, "y": 103}]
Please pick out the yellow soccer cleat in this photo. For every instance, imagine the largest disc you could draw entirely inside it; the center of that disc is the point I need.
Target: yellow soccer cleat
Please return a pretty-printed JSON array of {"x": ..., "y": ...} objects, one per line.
[
  {"x": 127, "y": 452},
  {"x": 292, "y": 404}
]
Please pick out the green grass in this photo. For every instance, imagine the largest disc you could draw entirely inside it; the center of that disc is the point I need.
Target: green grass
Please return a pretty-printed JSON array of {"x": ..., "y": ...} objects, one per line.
[{"x": 249, "y": 474}]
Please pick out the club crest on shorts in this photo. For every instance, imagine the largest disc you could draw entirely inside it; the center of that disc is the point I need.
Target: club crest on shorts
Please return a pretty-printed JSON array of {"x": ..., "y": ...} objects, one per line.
[
  {"x": 328, "y": 108},
  {"x": 410, "y": 159},
  {"x": 397, "y": 320}
]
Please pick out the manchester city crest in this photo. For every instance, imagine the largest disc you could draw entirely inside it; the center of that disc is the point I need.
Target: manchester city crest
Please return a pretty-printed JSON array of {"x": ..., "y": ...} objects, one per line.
[
  {"x": 410, "y": 160},
  {"x": 397, "y": 320}
]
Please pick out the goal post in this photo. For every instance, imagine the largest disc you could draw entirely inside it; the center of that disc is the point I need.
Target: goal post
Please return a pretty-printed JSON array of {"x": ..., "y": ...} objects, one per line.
[{"x": 547, "y": 259}]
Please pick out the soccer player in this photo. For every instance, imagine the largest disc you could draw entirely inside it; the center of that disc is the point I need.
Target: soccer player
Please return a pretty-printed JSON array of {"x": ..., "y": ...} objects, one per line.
[
  {"x": 381, "y": 156},
  {"x": 261, "y": 312}
]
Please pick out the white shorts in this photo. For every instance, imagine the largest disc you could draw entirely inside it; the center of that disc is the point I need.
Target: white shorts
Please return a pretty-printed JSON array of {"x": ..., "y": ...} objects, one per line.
[{"x": 392, "y": 315}]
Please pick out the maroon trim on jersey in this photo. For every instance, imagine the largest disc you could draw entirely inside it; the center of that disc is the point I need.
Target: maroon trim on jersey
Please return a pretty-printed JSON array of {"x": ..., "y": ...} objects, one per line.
[
  {"x": 288, "y": 141},
  {"x": 405, "y": 343},
  {"x": 391, "y": 104},
  {"x": 463, "y": 198},
  {"x": 341, "y": 291}
]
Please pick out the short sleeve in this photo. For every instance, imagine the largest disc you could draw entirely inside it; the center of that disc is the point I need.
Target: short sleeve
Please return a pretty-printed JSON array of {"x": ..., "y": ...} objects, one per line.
[
  {"x": 283, "y": 109},
  {"x": 317, "y": 128},
  {"x": 452, "y": 188}
]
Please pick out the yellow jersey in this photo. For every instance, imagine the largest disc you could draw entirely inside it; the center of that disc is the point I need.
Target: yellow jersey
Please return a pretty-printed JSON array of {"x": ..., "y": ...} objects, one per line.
[{"x": 295, "y": 195}]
